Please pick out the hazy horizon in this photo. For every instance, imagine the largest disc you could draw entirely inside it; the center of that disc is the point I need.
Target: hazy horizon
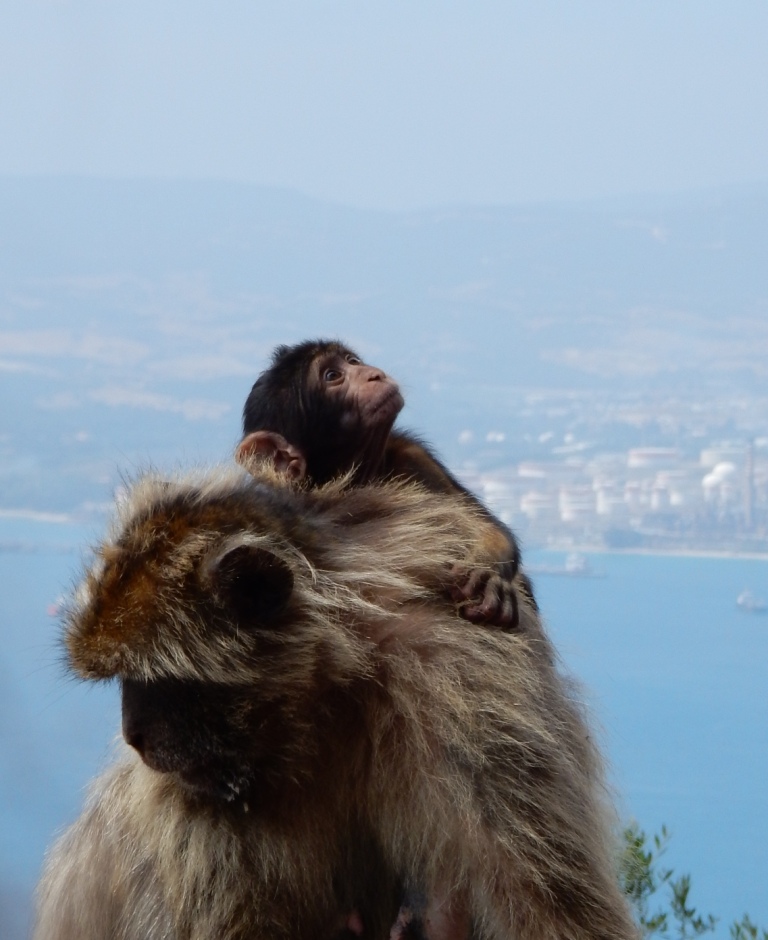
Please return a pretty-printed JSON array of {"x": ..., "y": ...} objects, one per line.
[
  {"x": 648, "y": 197},
  {"x": 391, "y": 105}
]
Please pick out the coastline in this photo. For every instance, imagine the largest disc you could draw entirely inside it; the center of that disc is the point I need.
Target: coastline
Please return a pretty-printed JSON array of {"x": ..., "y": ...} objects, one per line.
[{"x": 670, "y": 552}]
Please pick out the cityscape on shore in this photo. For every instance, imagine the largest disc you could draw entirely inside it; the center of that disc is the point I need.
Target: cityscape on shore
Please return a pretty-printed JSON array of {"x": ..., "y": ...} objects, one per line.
[{"x": 595, "y": 483}]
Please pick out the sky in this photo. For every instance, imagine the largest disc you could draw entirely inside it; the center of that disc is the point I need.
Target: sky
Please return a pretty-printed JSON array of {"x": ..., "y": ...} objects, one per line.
[{"x": 391, "y": 104}]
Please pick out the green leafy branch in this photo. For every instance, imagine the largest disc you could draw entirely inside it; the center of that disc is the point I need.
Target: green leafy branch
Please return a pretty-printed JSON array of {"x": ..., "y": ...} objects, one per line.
[{"x": 661, "y": 900}]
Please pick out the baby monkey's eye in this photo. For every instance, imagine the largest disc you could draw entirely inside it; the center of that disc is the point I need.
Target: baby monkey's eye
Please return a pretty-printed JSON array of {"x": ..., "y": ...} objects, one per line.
[
  {"x": 330, "y": 375},
  {"x": 353, "y": 360}
]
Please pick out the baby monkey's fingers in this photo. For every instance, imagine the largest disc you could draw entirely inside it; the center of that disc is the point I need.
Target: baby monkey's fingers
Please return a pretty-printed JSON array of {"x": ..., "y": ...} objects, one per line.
[{"x": 485, "y": 597}]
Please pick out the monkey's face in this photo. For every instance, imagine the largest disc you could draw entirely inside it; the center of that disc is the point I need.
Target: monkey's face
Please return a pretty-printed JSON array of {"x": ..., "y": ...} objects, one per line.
[
  {"x": 220, "y": 737},
  {"x": 197, "y": 732},
  {"x": 207, "y": 728},
  {"x": 366, "y": 398},
  {"x": 219, "y": 743}
]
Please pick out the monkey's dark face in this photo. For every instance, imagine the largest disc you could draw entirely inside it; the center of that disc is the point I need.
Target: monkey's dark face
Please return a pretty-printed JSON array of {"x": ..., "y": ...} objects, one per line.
[
  {"x": 366, "y": 398},
  {"x": 195, "y": 732},
  {"x": 217, "y": 739}
]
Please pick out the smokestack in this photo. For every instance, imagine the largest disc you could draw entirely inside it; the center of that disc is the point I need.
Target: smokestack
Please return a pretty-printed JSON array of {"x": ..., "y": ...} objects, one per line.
[{"x": 749, "y": 486}]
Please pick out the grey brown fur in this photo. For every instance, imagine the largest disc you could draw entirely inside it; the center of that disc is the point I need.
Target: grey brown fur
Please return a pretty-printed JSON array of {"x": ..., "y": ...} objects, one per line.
[{"x": 344, "y": 733}]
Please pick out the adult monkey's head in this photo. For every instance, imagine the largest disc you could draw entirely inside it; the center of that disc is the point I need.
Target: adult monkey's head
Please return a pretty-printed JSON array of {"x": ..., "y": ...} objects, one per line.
[{"x": 318, "y": 411}]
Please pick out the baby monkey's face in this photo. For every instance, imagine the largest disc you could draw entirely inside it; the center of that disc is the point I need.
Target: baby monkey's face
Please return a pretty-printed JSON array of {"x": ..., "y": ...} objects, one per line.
[{"x": 364, "y": 394}]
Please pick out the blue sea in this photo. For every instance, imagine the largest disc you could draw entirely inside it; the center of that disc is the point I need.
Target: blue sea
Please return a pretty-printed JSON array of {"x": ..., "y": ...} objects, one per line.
[
  {"x": 677, "y": 677},
  {"x": 675, "y": 674}
]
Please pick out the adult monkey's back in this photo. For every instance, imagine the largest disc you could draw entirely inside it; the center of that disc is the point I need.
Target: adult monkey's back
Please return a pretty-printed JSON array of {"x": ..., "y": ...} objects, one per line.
[{"x": 311, "y": 721}]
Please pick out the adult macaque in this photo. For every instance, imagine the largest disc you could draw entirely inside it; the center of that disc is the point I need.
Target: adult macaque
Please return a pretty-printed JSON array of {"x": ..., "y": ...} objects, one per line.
[
  {"x": 319, "y": 412},
  {"x": 311, "y": 725}
]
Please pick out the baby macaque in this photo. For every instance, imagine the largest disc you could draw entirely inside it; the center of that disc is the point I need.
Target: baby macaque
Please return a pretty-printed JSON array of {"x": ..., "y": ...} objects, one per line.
[{"x": 319, "y": 412}]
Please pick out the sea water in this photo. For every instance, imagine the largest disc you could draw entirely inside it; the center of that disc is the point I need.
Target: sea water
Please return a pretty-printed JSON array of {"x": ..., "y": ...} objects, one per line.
[
  {"x": 55, "y": 733},
  {"x": 677, "y": 678},
  {"x": 675, "y": 675}
]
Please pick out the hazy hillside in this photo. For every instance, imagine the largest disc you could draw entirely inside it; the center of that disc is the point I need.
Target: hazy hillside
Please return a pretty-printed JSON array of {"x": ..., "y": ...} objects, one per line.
[{"x": 134, "y": 315}]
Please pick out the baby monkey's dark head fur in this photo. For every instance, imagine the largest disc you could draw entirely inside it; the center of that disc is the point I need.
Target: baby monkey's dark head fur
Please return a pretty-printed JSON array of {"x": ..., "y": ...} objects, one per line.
[{"x": 324, "y": 400}]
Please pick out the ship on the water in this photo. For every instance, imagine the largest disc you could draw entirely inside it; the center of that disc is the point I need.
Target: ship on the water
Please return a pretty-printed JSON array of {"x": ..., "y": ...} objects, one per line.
[{"x": 750, "y": 603}]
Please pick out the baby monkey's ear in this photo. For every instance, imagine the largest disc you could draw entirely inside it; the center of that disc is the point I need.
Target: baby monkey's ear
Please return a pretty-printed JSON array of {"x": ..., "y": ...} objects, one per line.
[{"x": 273, "y": 449}]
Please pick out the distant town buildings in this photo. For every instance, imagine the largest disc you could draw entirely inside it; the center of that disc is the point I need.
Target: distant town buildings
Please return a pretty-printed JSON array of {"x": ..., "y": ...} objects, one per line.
[{"x": 701, "y": 494}]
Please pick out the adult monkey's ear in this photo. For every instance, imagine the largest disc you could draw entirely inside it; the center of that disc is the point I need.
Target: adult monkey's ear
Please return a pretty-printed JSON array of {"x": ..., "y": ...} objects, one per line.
[
  {"x": 253, "y": 582},
  {"x": 272, "y": 448}
]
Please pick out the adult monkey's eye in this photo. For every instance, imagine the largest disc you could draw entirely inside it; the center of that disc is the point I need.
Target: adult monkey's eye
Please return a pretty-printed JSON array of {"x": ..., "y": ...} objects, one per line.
[
  {"x": 330, "y": 375},
  {"x": 353, "y": 360}
]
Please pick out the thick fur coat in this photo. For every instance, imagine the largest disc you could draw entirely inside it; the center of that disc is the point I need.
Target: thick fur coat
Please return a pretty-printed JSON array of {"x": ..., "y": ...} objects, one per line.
[{"x": 319, "y": 727}]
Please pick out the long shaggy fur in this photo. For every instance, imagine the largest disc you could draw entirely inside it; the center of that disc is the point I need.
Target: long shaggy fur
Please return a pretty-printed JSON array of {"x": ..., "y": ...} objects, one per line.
[{"x": 379, "y": 738}]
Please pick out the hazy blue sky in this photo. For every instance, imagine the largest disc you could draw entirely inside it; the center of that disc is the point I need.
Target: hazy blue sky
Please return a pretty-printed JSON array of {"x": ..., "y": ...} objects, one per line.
[{"x": 391, "y": 103}]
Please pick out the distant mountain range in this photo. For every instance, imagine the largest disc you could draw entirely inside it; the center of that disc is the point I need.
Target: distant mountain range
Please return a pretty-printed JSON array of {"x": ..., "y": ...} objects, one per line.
[{"x": 135, "y": 314}]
